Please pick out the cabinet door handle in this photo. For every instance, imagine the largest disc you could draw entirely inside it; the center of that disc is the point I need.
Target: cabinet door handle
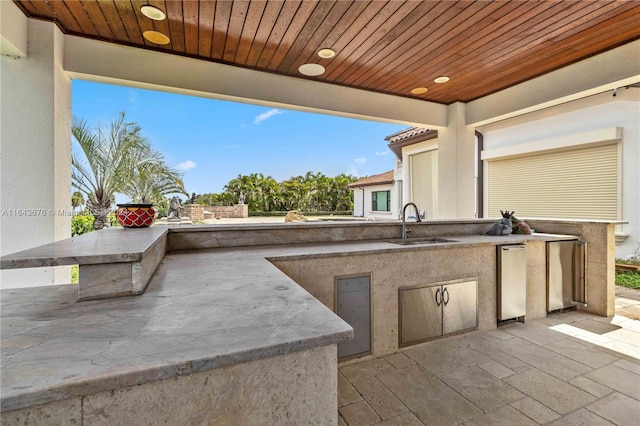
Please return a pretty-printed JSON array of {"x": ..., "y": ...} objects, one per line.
[
  {"x": 445, "y": 292},
  {"x": 438, "y": 302}
]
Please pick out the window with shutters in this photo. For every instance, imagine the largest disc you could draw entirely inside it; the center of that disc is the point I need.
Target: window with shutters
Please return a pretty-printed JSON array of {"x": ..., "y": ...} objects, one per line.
[
  {"x": 581, "y": 183},
  {"x": 424, "y": 181}
]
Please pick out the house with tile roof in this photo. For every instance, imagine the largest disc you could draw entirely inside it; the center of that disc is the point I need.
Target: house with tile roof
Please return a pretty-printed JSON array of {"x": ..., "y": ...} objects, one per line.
[
  {"x": 376, "y": 196},
  {"x": 416, "y": 168}
]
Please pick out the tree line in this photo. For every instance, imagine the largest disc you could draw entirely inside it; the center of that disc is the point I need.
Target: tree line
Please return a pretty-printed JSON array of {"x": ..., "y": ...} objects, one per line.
[{"x": 313, "y": 192}]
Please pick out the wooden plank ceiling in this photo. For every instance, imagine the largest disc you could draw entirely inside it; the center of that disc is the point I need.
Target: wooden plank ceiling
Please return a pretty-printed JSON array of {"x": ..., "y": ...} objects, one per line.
[{"x": 383, "y": 46}]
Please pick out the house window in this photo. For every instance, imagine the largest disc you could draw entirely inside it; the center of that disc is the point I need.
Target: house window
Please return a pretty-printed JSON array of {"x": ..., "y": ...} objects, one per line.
[{"x": 381, "y": 201}]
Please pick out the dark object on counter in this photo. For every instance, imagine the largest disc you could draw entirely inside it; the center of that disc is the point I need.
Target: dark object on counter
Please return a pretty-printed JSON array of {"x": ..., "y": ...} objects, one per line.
[
  {"x": 519, "y": 226},
  {"x": 503, "y": 226}
]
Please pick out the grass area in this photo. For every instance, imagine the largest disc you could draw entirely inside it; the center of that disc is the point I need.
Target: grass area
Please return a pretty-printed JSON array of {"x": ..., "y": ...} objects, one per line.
[{"x": 628, "y": 279}]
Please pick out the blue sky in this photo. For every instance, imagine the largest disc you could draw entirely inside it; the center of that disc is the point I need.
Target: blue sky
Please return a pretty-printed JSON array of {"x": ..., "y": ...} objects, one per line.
[{"x": 213, "y": 141}]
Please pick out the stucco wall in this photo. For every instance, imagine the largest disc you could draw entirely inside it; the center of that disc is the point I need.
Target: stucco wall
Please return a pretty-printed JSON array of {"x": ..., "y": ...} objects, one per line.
[
  {"x": 594, "y": 113},
  {"x": 368, "y": 190},
  {"x": 293, "y": 389},
  {"x": 35, "y": 150}
]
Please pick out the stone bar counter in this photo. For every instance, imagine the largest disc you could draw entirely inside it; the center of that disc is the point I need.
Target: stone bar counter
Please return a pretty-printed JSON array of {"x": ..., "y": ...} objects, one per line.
[{"x": 236, "y": 324}]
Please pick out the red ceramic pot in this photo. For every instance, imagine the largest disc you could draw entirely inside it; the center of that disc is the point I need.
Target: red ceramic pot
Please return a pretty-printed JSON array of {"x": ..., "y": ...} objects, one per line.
[{"x": 136, "y": 215}]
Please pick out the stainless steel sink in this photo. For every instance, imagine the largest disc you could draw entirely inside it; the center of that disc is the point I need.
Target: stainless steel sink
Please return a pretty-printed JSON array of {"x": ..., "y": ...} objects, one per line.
[{"x": 421, "y": 241}]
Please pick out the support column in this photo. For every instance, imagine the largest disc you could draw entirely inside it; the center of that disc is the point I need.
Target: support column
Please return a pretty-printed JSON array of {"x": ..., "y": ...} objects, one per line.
[
  {"x": 35, "y": 150},
  {"x": 456, "y": 165}
]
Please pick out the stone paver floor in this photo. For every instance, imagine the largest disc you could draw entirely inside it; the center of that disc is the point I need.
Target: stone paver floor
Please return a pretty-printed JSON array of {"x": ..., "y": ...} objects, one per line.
[{"x": 570, "y": 368}]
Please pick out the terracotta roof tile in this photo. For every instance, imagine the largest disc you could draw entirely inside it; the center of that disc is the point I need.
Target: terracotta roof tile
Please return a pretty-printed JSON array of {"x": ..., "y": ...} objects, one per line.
[
  {"x": 381, "y": 179},
  {"x": 406, "y": 133}
]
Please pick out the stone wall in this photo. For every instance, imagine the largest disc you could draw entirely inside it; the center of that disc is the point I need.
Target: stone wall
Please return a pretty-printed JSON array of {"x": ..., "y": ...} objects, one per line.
[
  {"x": 195, "y": 212},
  {"x": 291, "y": 389},
  {"x": 237, "y": 211}
]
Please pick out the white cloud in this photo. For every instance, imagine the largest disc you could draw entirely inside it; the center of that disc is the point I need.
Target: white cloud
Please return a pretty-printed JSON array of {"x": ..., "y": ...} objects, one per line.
[
  {"x": 132, "y": 95},
  {"x": 265, "y": 115},
  {"x": 351, "y": 170},
  {"x": 186, "y": 165},
  {"x": 382, "y": 152},
  {"x": 360, "y": 160}
]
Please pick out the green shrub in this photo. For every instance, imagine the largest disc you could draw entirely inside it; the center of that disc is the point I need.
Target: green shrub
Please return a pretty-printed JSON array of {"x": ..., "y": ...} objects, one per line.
[
  {"x": 112, "y": 219},
  {"x": 272, "y": 214},
  {"x": 75, "y": 274},
  {"x": 628, "y": 279},
  {"x": 81, "y": 224}
]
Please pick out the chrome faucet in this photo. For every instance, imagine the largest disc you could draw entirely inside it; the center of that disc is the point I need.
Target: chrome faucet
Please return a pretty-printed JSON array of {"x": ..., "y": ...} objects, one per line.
[{"x": 404, "y": 219}]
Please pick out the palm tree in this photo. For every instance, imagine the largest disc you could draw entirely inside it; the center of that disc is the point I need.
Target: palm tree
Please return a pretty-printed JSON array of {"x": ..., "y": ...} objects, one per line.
[
  {"x": 152, "y": 179},
  {"x": 112, "y": 155}
]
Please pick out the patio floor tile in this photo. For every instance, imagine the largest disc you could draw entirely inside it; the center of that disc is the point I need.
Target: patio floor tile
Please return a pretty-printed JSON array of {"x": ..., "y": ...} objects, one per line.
[
  {"x": 628, "y": 365},
  {"x": 582, "y": 417},
  {"x": 443, "y": 357},
  {"x": 576, "y": 350},
  {"x": 399, "y": 360},
  {"x": 558, "y": 371},
  {"x": 535, "y": 332},
  {"x": 346, "y": 393},
  {"x": 588, "y": 385},
  {"x": 481, "y": 388},
  {"x": 617, "y": 408},
  {"x": 428, "y": 398},
  {"x": 504, "y": 359},
  {"x": 504, "y": 416},
  {"x": 535, "y": 411},
  {"x": 550, "y": 391},
  {"x": 496, "y": 369},
  {"x": 364, "y": 369},
  {"x": 379, "y": 398},
  {"x": 543, "y": 359},
  {"x": 359, "y": 414},
  {"x": 617, "y": 379},
  {"x": 404, "y": 419}
]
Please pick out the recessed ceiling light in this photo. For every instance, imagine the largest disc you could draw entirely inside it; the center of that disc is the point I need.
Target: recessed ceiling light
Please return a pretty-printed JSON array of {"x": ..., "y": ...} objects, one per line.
[
  {"x": 442, "y": 79},
  {"x": 156, "y": 37},
  {"x": 419, "y": 90},
  {"x": 311, "y": 70},
  {"x": 153, "y": 12},
  {"x": 326, "y": 53}
]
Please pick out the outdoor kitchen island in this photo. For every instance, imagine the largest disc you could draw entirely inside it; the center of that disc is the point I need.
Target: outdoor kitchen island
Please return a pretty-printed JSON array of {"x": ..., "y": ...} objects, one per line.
[{"x": 221, "y": 334}]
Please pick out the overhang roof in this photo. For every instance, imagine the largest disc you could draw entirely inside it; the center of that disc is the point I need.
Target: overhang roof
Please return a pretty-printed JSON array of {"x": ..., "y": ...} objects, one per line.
[
  {"x": 380, "y": 179},
  {"x": 387, "y": 47},
  {"x": 407, "y": 137}
]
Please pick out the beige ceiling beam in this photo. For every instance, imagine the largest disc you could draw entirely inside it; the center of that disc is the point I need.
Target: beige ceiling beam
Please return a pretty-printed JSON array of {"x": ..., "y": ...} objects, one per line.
[{"x": 111, "y": 63}]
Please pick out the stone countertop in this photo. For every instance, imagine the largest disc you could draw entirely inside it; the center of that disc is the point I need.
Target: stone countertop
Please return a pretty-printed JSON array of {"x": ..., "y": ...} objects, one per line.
[
  {"x": 203, "y": 309},
  {"x": 350, "y": 248},
  {"x": 107, "y": 246}
]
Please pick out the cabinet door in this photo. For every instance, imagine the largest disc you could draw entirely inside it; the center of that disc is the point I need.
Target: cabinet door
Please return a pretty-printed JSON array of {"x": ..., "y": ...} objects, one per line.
[
  {"x": 354, "y": 306},
  {"x": 420, "y": 314},
  {"x": 460, "y": 306}
]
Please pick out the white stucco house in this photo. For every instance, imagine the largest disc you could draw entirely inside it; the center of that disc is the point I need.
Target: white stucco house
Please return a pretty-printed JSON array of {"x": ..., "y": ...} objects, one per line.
[
  {"x": 576, "y": 160},
  {"x": 376, "y": 196}
]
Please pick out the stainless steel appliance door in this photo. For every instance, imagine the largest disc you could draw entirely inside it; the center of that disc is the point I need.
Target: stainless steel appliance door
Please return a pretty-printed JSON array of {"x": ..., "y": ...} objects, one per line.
[
  {"x": 420, "y": 314},
  {"x": 560, "y": 276},
  {"x": 512, "y": 281},
  {"x": 459, "y": 310},
  {"x": 354, "y": 306}
]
